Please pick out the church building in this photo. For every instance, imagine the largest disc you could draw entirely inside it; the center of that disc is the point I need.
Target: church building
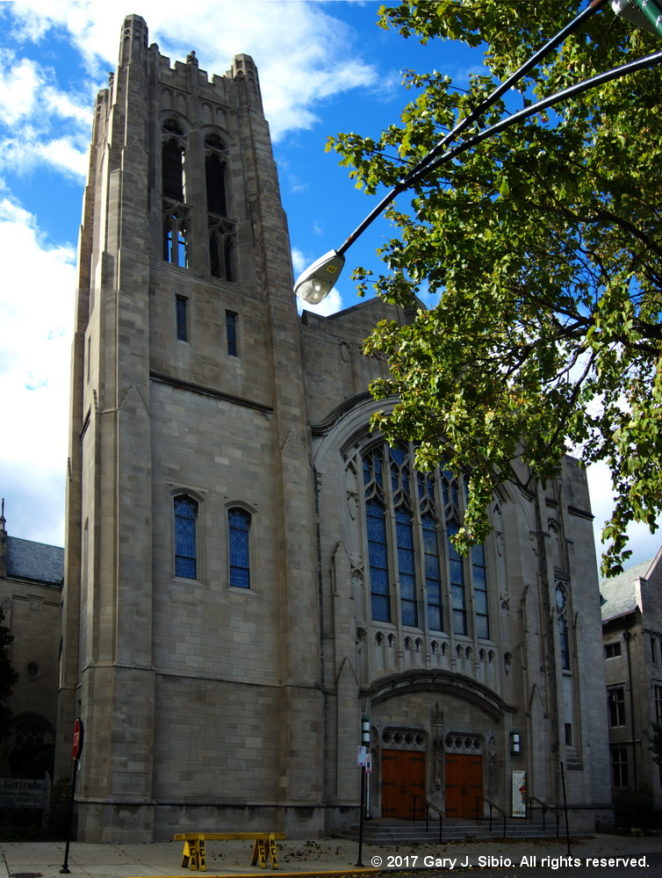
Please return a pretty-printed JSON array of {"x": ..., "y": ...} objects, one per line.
[{"x": 250, "y": 570}]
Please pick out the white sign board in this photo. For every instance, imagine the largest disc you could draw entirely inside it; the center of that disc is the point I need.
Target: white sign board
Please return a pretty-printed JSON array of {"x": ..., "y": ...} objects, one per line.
[
  {"x": 519, "y": 794},
  {"x": 23, "y": 793}
]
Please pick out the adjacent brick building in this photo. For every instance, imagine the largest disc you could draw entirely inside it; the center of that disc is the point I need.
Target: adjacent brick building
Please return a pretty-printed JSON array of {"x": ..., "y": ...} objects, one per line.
[
  {"x": 249, "y": 569},
  {"x": 31, "y": 576}
]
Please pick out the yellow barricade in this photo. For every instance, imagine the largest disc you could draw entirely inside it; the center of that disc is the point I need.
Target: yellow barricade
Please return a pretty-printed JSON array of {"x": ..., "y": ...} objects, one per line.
[{"x": 194, "y": 854}]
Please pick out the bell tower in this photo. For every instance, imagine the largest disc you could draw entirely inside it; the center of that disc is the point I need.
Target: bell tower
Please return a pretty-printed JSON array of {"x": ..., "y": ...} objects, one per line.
[{"x": 191, "y": 624}]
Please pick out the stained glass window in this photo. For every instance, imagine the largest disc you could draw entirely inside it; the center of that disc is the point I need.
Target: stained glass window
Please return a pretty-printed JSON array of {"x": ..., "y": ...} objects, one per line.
[
  {"x": 458, "y": 591},
  {"x": 432, "y": 573},
  {"x": 380, "y": 597},
  {"x": 480, "y": 592},
  {"x": 239, "y": 521},
  {"x": 564, "y": 637},
  {"x": 411, "y": 518},
  {"x": 186, "y": 513}
]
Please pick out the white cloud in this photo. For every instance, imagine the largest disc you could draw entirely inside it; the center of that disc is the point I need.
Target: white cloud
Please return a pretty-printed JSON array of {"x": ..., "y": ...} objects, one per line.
[
  {"x": 32, "y": 111},
  {"x": 64, "y": 154},
  {"x": 304, "y": 55},
  {"x": 36, "y": 314},
  {"x": 641, "y": 542},
  {"x": 19, "y": 82},
  {"x": 299, "y": 261},
  {"x": 329, "y": 305}
]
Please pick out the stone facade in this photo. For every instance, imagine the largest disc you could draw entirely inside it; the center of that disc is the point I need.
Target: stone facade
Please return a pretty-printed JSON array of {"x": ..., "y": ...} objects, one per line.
[
  {"x": 249, "y": 569},
  {"x": 30, "y": 596},
  {"x": 632, "y": 632}
]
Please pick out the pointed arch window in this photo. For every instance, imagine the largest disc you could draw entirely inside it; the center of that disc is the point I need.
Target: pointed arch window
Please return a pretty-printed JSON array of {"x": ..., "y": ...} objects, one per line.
[
  {"x": 400, "y": 483},
  {"x": 186, "y": 551},
  {"x": 562, "y": 618},
  {"x": 175, "y": 213},
  {"x": 172, "y": 167},
  {"x": 215, "y": 170},
  {"x": 222, "y": 230},
  {"x": 479, "y": 576},
  {"x": 239, "y": 530},
  {"x": 380, "y": 592},
  {"x": 431, "y": 557}
]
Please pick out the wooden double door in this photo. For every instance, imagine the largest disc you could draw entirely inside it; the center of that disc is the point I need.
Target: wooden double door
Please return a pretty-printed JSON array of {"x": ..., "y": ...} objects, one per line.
[
  {"x": 464, "y": 785},
  {"x": 403, "y": 784}
]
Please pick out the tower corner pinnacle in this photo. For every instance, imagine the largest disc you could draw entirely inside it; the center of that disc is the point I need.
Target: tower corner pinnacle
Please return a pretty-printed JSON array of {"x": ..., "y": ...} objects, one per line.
[{"x": 133, "y": 40}]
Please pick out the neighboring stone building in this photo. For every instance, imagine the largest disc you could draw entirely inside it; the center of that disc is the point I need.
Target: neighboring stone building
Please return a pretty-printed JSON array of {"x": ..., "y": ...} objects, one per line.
[
  {"x": 632, "y": 633},
  {"x": 30, "y": 596},
  {"x": 249, "y": 569}
]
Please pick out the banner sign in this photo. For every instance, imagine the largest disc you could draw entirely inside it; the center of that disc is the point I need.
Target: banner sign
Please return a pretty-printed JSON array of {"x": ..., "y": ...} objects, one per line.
[{"x": 519, "y": 794}]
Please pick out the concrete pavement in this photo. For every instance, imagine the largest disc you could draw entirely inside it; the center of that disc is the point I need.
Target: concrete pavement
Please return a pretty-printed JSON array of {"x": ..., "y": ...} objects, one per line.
[{"x": 598, "y": 855}]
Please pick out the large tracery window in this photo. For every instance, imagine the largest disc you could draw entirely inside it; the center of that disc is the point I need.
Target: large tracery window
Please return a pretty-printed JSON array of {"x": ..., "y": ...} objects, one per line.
[{"x": 410, "y": 518}]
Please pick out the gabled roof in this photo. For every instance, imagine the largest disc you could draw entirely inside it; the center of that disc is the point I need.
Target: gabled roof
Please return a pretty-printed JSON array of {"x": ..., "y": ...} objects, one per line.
[
  {"x": 618, "y": 591},
  {"x": 36, "y": 562}
]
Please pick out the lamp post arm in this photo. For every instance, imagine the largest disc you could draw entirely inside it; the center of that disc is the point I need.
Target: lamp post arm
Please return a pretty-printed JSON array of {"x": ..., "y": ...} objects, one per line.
[
  {"x": 425, "y": 167},
  {"x": 593, "y": 82},
  {"x": 508, "y": 83},
  {"x": 475, "y": 114}
]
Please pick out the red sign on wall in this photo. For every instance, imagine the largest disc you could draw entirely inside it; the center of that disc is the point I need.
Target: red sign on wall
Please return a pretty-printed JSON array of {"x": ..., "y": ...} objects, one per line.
[{"x": 77, "y": 747}]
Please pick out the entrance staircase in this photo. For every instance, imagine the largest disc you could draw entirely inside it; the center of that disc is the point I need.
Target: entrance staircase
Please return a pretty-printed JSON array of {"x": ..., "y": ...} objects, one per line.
[{"x": 396, "y": 832}]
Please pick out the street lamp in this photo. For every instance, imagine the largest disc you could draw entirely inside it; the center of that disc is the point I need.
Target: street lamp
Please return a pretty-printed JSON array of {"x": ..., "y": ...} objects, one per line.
[
  {"x": 643, "y": 13},
  {"x": 317, "y": 281}
]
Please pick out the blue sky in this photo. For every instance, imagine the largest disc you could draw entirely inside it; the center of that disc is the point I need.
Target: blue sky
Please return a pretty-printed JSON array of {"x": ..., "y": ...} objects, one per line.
[{"x": 325, "y": 67}]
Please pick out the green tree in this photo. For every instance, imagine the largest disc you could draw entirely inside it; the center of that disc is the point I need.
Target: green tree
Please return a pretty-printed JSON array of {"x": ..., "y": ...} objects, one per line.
[
  {"x": 544, "y": 244},
  {"x": 8, "y": 677}
]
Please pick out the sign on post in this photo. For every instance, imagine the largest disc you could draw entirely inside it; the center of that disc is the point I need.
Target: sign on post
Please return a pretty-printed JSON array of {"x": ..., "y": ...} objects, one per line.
[
  {"x": 76, "y": 750},
  {"x": 77, "y": 747}
]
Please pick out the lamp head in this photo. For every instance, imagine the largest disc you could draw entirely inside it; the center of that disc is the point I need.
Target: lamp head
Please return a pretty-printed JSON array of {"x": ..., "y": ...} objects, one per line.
[{"x": 318, "y": 279}]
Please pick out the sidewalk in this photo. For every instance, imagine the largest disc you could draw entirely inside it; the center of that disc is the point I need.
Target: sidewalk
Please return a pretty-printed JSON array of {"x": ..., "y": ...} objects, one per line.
[{"x": 315, "y": 857}]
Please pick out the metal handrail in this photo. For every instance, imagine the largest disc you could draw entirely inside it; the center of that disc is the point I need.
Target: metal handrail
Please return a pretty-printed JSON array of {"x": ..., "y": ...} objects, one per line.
[
  {"x": 492, "y": 805},
  {"x": 545, "y": 806},
  {"x": 440, "y": 812}
]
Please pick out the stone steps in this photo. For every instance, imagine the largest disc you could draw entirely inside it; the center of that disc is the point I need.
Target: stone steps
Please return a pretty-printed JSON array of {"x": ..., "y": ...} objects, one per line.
[{"x": 379, "y": 832}]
